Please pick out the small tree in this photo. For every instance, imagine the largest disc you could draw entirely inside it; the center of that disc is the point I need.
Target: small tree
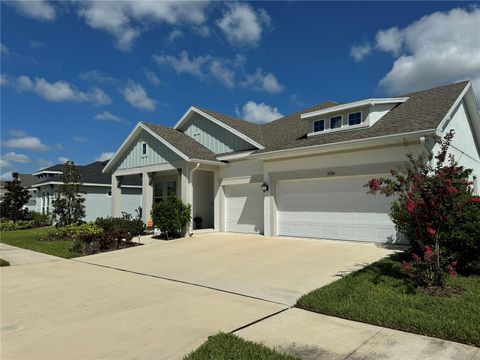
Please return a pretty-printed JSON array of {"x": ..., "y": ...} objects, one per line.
[
  {"x": 68, "y": 204},
  {"x": 435, "y": 210},
  {"x": 172, "y": 216},
  {"x": 16, "y": 197}
]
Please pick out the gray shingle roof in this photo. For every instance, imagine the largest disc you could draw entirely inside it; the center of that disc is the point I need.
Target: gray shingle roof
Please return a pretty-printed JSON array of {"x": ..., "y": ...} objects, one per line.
[
  {"x": 423, "y": 110},
  {"x": 27, "y": 180},
  {"x": 92, "y": 174},
  {"x": 182, "y": 142},
  {"x": 56, "y": 167}
]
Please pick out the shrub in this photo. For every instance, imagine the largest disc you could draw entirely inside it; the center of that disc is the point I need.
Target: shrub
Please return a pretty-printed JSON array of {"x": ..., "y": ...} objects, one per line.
[
  {"x": 116, "y": 229},
  {"x": 172, "y": 216},
  {"x": 10, "y": 225},
  {"x": 39, "y": 219},
  {"x": 85, "y": 237},
  {"x": 435, "y": 207}
]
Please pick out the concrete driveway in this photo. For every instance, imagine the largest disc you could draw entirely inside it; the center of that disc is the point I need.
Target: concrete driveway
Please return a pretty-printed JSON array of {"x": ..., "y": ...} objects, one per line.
[{"x": 274, "y": 269}]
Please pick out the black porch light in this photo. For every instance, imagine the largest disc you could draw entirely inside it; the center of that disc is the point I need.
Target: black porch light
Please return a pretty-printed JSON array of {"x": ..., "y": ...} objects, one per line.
[{"x": 264, "y": 187}]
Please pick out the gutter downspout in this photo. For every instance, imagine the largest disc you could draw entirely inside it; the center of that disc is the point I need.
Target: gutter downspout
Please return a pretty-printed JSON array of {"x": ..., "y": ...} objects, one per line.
[{"x": 190, "y": 180}]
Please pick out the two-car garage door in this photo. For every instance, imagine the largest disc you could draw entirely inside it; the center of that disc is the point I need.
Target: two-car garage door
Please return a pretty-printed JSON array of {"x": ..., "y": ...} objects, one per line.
[{"x": 333, "y": 208}]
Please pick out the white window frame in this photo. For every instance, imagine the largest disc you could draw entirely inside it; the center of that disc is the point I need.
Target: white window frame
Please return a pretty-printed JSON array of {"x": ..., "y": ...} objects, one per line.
[
  {"x": 341, "y": 122},
  {"x": 324, "y": 125},
  {"x": 355, "y": 112}
]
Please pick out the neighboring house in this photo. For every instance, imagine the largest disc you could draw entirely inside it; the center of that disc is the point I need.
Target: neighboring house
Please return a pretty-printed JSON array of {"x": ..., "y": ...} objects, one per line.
[
  {"x": 302, "y": 175},
  {"x": 2, "y": 190},
  {"x": 96, "y": 188},
  {"x": 27, "y": 180}
]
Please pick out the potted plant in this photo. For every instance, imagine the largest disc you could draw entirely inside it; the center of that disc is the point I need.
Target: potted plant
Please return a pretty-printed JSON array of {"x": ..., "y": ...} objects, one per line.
[{"x": 198, "y": 222}]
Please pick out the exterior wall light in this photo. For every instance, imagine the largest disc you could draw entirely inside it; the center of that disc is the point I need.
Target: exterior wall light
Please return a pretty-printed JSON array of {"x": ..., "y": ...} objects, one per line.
[{"x": 264, "y": 187}]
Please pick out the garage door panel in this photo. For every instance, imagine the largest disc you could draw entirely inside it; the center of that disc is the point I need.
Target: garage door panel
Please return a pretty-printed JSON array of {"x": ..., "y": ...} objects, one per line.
[
  {"x": 244, "y": 208},
  {"x": 336, "y": 208}
]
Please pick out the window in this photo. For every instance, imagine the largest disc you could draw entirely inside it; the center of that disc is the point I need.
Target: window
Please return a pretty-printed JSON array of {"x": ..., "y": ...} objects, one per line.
[
  {"x": 336, "y": 122},
  {"x": 144, "y": 148},
  {"x": 355, "y": 118},
  {"x": 172, "y": 187},
  {"x": 158, "y": 194},
  {"x": 319, "y": 125}
]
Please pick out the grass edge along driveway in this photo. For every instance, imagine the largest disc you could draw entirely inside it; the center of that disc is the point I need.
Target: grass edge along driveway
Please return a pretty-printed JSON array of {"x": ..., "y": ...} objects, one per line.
[
  {"x": 29, "y": 239},
  {"x": 379, "y": 295}
]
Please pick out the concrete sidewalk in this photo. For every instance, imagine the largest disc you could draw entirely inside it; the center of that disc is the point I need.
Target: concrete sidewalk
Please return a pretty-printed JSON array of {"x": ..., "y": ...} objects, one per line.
[
  {"x": 314, "y": 336},
  {"x": 18, "y": 256}
]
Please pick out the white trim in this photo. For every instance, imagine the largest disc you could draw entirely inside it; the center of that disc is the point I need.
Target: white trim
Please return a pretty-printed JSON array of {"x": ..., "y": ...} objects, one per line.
[
  {"x": 237, "y": 156},
  {"x": 219, "y": 123},
  {"x": 120, "y": 148},
  {"x": 207, "y": 162},
  {"x": 163, "y": 141},
  {"x": 47, "y": 172},
  {"x": 355, "y": 112},
  {"x": 344, "y": 129},
  {"x": 82, "y": 184},
  {"x": 337, "y": 144},
  {"x": 448, "y": 116},
  {"x": 343, "y": 107},
  {"x": 319, "y": 131}
]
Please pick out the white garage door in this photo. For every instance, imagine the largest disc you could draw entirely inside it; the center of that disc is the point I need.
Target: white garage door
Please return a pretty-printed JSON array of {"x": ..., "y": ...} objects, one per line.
[
  {"x": 333, "y": 208},
  {"x": 244, "y": 208}
]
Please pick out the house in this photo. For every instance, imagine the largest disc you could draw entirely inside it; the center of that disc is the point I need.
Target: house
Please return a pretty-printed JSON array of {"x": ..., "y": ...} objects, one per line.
[
  {"x": 302, "y": 175},
  {"x": 27, "y": 180},
  {"x": 96, "y": 188}
]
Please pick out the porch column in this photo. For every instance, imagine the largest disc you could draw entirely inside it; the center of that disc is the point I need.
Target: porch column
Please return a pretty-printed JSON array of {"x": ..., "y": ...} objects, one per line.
[
  {"x": 186, "y": 191},
  {"x": 147, "y": 196},
  {"x": 116, "y": 196}
]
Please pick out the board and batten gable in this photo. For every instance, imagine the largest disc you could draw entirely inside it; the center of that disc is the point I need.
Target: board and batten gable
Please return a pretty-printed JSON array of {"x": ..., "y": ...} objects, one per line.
[
  {"x": 213, "y": 136},
  {"x": 157, "y": 153}
]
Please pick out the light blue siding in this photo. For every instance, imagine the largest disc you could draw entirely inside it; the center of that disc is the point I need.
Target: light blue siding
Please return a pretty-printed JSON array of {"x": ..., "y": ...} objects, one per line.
[
  {"x": 214, "y": 137},
  {"x": 157, "y": 153}
]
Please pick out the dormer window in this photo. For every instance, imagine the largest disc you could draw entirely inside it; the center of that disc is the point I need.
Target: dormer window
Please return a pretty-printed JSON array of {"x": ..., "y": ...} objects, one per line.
[
  {"x": 355, "y": 118},
  {"x": 336, "y": 122},
  {"x": 318, "y": 125}
]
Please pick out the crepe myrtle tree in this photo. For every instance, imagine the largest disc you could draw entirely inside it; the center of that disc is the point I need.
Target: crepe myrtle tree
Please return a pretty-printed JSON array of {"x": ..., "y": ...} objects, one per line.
[
  {"x": 436, "y": 211},
  {"x": 68, "y": 204}
]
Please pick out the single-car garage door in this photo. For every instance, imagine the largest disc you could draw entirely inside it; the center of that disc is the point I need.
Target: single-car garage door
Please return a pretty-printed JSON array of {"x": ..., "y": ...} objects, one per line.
[
  {"x": 333, "y": 208},
  {"x": 244, "y": 208}
]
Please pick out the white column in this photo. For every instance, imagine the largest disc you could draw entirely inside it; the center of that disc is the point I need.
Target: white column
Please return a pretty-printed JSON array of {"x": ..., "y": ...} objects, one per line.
[
  {"x": 147, "y": 196},
  {"x": 116, "y": 196},
  {"x": 217, "y": 205}
]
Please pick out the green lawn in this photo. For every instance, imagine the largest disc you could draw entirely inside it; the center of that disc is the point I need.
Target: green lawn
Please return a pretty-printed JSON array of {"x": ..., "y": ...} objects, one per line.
[
  {"x": 230, "y": 347},
  {"x": 4, "y": 263},
  {"x": 28, "y": 239},
  {"x": 379, "y": 295}
]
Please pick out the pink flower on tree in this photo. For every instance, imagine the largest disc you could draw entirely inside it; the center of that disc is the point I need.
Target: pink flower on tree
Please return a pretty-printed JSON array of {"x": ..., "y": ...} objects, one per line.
[
  {"x": 410, "y": 206},
  {"x": 431, "y": 231},
  {"x": 475, "y": 199},
  {"x": 428, "y": 251},
  {"x": 374, "y": 185},
  {"x": 452, "y": 190}
]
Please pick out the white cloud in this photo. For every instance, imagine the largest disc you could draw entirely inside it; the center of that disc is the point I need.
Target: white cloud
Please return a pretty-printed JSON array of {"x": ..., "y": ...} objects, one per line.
[
  {"x": 183, "y": 64},
  {"x": 26, "y": 142},
  {"x": 104, "y": 156},
  {"x": 80, "y": 139},
  {"x": 243, "y": 25},
  {"x": 106, "y": 116},
  {"x": 126, "y": 20},
  {"x": 390, "y": 40},
  {"x": 152, "y": 78},
  {"x": 97, "y": 76},
  {"x": 439, "y": 48},
  {"x": 3, "y": 80},
  {"x": 203, "y": 31},
  {"x": 43, "y": 163},
  {"x": 220, "y": 70},
  {"x": 6, "y": 176},
  {"x": 14, "y": 157},
  {"x": 136, "y": 96},
  {"x": 17, "y": 133},
  {"x": 259, "y": 113},
  {"x": 63, "y": 159},
  {"x": 4, "y": 49},
  {"x": 60, "y": 91},
  {"x": 263, "y": 82},
  {"x": 358, "y": 52},
  {"x": 174, "y": 35},
  {"x": 38, "y": 9}
]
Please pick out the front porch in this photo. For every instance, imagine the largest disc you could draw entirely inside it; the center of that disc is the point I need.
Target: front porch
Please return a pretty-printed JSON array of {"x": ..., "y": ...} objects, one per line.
[{"x": 193, "y": 182}]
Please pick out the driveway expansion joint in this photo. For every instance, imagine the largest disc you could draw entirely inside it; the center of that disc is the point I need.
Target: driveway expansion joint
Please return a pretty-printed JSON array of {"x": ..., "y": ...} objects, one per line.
[
  {"x": 363, "y": 343},
  {"x": 260, "y": 320},
  {"x": 182, "y": 282}
]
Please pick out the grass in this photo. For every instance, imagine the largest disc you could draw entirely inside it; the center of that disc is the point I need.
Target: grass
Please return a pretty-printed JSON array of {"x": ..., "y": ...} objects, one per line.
[
  {"x": 4, "y": 263},
  {"x": 378, "y": 294},
  {"x": 230, "y": 347},
  {"x": 29, "y": 239}
]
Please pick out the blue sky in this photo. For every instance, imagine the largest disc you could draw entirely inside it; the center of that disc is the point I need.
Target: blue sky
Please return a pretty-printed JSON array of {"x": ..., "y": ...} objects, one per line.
[{"x": 77, "y": 76}]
